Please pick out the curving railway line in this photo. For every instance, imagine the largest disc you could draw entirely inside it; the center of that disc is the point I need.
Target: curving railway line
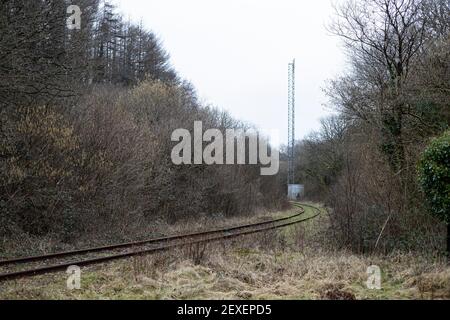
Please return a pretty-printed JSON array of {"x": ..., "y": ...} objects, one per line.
[{"x": 43, "y": 264}]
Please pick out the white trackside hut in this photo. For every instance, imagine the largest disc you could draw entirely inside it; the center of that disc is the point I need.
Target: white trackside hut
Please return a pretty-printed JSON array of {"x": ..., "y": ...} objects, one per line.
[{"x": 296, "y": 191}]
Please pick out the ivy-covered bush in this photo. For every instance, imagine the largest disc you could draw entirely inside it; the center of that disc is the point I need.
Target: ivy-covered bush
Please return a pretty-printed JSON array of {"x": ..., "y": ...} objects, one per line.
[{"x": 434, "y": 176}]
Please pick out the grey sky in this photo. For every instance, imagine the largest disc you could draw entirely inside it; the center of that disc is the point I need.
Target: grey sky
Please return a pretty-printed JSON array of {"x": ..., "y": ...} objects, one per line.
[{"x": 236, "y": 53}]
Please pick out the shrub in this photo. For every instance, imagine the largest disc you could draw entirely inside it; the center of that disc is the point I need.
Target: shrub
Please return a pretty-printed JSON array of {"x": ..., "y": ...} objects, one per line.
[
  {"x": 434, "y": 176},
  {"x": 434, "y": 179},
  {"x": 38, "y": 170}
]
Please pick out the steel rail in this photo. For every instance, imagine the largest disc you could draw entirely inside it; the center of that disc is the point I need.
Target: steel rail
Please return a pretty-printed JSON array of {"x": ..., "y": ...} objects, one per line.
[
  {"x": 136, "y": 243},
  {"x": 87, "y": 262}
]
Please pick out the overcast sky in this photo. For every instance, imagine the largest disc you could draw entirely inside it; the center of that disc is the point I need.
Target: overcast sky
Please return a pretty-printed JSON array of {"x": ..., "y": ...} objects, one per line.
[{"x": 236, "y": 53}]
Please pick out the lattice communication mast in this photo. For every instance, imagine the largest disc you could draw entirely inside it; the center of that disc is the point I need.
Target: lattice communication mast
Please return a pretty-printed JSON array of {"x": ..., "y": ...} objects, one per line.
[{"x": 291, "y": 123}]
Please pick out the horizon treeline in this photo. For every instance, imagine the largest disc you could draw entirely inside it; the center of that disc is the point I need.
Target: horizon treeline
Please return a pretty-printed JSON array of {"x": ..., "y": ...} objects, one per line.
[{"x": 43, "y": 60}]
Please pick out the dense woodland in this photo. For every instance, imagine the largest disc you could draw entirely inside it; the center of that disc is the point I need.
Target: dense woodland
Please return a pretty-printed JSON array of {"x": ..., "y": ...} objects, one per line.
[
  {"x": 86, "y": 123},
  {"x": 387, "y": 108},
  {"x": 86, "y": 117}
]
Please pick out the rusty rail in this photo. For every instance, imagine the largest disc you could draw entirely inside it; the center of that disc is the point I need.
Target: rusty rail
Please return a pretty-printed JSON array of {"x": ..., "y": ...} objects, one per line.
[
  {"x": 136, "y": 243},
  {"x": 259, "y": 227}
]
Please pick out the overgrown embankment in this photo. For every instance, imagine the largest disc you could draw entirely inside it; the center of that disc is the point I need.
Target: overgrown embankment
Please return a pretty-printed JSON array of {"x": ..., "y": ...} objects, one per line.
[{"x": 286, "y": 264}]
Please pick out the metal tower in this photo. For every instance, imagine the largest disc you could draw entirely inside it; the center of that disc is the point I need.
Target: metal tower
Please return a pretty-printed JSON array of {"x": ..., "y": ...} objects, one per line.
[{"x": 291, "y": 123}]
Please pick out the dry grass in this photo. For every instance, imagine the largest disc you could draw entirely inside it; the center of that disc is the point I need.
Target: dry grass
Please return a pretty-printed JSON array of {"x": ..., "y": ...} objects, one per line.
[
  {"x": 278, "y": 265},
  {"x": 243, "y": 273}
]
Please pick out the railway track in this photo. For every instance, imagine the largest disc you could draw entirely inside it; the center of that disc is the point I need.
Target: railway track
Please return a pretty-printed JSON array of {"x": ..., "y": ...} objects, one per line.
[{"x": 23, "y": 266}]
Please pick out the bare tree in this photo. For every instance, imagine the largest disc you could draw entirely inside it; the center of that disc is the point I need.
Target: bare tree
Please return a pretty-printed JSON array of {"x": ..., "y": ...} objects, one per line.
[{"x": 383, "y": 37}]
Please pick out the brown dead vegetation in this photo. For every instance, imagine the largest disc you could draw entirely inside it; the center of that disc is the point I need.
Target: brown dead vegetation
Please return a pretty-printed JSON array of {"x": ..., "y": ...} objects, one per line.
[{"x": 246, "y": 268}]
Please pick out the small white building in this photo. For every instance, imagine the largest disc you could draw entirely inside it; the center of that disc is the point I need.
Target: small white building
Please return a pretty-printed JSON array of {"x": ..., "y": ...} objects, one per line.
[{"x": 296, "y": 191}]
